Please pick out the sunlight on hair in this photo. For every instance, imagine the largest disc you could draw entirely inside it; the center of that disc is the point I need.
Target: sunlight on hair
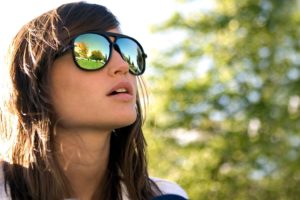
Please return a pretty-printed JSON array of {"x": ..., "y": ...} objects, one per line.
[
  {"x": 143, "y": 95},
  {"x": 5, "y": 141},
  {"x": 4, "y": 78},
  {"x": 6, "y": 127},
  {"x": 4, "y": 150}
]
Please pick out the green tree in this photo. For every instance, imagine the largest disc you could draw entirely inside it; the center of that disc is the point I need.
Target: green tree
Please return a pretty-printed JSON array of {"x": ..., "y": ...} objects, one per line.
[
  {"x": 81, "y": 49},
  {"x": 97, "y": 55},
  {"x": 231, "y": 86}
]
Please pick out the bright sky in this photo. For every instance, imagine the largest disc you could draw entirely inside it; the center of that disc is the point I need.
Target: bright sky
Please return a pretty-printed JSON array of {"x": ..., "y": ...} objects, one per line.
[{"x": 136, "y": 17}]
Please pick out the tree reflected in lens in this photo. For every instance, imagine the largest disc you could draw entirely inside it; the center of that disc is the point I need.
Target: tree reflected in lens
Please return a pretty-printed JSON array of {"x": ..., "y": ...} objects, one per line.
[{"x": 91, "y": 51}]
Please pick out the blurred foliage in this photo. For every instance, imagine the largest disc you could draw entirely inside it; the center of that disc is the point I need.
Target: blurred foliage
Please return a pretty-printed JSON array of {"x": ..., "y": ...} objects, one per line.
[{"x": 224, "y": 115}]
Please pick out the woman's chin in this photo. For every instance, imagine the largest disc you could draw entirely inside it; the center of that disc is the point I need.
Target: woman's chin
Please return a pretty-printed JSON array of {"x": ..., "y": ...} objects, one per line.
[{"x": 125, "y": 121}]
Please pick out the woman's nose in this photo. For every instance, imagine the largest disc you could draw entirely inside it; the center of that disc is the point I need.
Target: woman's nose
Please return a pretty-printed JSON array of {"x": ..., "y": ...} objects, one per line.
[{"x": 116, "y": 64}]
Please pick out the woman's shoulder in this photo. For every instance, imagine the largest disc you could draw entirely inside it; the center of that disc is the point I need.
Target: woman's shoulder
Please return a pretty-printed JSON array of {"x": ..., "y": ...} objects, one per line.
[
  {"x": 3, "y": 194},
  {"x": 169, "y": 187},
  {"x": 1, "y": 174}
]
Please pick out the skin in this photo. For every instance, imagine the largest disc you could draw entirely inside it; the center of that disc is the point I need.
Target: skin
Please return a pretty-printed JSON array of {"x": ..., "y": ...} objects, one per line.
[{"x": 86, "y": 117}]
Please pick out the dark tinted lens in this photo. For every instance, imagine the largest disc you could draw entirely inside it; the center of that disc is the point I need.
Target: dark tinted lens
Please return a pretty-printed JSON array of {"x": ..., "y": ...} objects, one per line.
[
  {"x": 91, "y": 51},
  {"x": 132, "y": 54}
]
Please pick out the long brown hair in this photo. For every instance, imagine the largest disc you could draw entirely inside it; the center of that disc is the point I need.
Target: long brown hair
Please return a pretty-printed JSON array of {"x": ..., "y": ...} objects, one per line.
[{"x": 27, "y": 118}]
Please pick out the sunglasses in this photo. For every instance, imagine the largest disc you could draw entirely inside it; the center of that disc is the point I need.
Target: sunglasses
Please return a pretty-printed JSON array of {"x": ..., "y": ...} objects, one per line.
[{"x": 92, "y": 51}]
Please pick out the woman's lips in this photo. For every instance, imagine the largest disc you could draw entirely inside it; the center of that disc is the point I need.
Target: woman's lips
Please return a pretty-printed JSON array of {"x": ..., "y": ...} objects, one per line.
[
  {"x": 122, "y": 96},
  {"x": 122, "y": 91}
]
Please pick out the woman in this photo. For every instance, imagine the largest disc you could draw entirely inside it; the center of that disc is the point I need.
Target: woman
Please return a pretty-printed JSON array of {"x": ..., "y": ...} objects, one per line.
[{"x": 72, "y": 121}]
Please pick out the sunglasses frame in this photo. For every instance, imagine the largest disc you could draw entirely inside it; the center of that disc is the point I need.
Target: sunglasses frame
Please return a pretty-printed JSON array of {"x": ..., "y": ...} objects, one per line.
[{"x": 112, "y": 45}]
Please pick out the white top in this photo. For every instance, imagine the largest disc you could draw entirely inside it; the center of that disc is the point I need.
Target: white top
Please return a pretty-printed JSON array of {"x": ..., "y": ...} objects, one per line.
[{"x": 165, "y": 186}]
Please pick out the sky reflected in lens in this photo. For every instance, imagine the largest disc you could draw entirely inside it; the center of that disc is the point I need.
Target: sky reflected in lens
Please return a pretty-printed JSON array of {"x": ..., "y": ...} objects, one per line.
[{"x": 132, "y": 54}]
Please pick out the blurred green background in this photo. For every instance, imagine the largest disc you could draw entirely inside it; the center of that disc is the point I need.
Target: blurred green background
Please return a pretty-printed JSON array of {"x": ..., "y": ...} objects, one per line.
[{"x": 223, "y": 118}]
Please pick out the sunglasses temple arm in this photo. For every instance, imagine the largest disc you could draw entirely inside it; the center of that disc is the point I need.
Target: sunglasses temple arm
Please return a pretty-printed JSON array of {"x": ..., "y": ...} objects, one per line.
[{"x": 63, "y": 51}]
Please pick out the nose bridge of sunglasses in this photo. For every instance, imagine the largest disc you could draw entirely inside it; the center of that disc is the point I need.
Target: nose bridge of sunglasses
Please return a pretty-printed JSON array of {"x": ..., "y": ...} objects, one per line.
[{"x": 117, "y": 48}]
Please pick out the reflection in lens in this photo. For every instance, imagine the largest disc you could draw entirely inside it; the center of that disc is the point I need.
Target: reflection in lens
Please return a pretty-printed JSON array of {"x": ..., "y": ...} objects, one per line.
[
  {"x": 91, "y": 51},
  {"x": 132, "y": 54}
]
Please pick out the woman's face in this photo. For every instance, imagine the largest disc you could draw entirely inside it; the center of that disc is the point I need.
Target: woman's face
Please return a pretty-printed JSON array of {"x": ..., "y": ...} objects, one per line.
[{"x": 83, "y": 99}]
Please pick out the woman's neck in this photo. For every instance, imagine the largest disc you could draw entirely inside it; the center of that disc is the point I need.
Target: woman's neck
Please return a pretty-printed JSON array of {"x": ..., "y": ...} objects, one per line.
[{"x": 83, "y": 156}]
